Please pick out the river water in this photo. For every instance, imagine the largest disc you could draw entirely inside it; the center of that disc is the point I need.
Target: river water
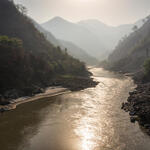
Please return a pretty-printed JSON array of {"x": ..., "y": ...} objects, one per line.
[{"x": 86, "y": 120}]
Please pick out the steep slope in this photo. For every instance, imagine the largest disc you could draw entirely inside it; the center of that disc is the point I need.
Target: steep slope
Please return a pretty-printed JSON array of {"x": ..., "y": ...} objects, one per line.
[
  {"x": 76, "y": 34},
  {"x": 25, "y": 47},
  {"x": 132, "y": 51},
  {"x": 73, "y": 50},
  {"x": 47, "y": 34},
  {"x": 78, "y": 53}
]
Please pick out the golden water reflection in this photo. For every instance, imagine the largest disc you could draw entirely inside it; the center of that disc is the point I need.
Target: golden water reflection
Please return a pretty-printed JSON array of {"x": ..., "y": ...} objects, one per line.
[
  {"x": 86, "y": 120},
  {"x": 86, "y": 138}
]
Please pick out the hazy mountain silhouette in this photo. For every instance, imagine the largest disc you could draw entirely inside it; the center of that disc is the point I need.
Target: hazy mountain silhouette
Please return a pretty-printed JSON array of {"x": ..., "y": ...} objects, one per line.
[
  {"x": 76, "y": 34},
  {"x": 72, "y": 49},
  {"x": 79, "y": 53},
  {"x": 96, "y": 38},
  {"x": 108, "y": 35},
  {"x": 47, "y": 34}
]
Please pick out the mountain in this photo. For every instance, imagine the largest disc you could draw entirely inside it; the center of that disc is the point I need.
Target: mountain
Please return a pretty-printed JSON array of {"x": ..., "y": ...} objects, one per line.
[
  {"x": 78, "y": 53},
  {"x": 76, "y": 34},
  {"x": 27, "y": 59},
  {"x": 72, "y": 49},
  {"x": 47, "y": 34},
  {"x": 95, "y": 37},
  {"x": 108, "y": 35},
  {"x": 130, "y": 54}
]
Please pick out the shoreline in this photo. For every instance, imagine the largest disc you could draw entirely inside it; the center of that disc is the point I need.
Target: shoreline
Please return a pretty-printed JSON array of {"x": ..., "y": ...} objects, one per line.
[
  {"x": 50, "y": 92},
  {"x": 138, "y": 101},
  {"x": 138, "y": 105},
  {"x": 59, "y": 86}
]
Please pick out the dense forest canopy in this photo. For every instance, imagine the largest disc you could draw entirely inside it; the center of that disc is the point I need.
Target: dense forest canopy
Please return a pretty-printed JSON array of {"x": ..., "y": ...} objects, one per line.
[
  {"x": 26, "y": 57},
  {"x": 131, "y": 52}
]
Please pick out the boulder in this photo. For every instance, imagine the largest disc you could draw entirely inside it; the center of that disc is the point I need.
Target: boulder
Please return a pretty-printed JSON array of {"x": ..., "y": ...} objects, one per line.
[
  {"x": 133, "y": 119},
  {"x": 2, "y": 110}
]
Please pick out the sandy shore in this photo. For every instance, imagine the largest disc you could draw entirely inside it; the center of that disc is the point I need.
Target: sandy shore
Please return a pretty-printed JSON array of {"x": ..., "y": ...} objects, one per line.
[{"x": 50, "y": 92}]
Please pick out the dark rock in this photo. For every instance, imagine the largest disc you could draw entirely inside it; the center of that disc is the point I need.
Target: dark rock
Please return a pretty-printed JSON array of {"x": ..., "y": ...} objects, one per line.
[
  {"x": 138, "y": 105},
  {"x": 2, "y": 110},
  {"x": 132, "y": 119},
  {"x": 122, "y": 107},
  {"x": 132, "y": 113},
  {"x": 147, "y": 126},
  {"x": 38, "y": 90},
  {"x": 12, "y": 94}
]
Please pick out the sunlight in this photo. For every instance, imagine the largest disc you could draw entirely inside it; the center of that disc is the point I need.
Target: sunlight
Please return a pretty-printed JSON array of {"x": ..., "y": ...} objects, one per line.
[
  {"x": 87, "y": 135},
  {"x": 85, "y": 0}
]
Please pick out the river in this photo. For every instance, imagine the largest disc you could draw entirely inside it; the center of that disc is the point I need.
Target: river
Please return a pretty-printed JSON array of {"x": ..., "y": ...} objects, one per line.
[{"x": 86, "y": 120}]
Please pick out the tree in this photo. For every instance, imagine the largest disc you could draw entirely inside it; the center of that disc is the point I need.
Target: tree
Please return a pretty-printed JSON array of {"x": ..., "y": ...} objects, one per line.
[
  {"x": 144, "y": 21},
  {"x": 135, "y": 28},
  {"x": 147, "y": 67},
  {"x": 148, "y": 17},
  {"x": 22, "y": 9},
  {"x": 66, "y": 51}
]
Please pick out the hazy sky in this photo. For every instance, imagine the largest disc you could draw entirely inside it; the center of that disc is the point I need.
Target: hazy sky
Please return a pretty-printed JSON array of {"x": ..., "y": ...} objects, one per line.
[{"x": 112, "y": 12}]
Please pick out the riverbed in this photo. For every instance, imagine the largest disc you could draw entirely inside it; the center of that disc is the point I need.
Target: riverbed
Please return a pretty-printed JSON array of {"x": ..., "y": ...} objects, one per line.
[{"x": 90, "y": 119}]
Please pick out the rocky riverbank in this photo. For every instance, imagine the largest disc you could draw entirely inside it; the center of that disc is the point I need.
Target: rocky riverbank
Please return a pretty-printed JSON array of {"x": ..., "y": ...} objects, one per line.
[
  {"x": 70, "y": 83},
  {"x": 138, "y": 102},
  {"x": 49, "y": 92},
  {"x": 138, "y": 105}
]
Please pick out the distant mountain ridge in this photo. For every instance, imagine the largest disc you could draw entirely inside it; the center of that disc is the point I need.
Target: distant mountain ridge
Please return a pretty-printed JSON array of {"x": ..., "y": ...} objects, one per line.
[
  {"x": 72, "y": 49},
  {"x": 76, "y": 34},
  {"x": 96, "y": 38},
  {"x": 109, "y": 35},
  {"x": 47, "y": 34},
  {"x": 79, "y": 53}
]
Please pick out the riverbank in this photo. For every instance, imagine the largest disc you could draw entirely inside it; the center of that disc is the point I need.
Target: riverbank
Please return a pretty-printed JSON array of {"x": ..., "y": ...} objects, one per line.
[
  {"x": 49, "y": 92},
  {"x": 58, "y": 86},
  {"x": 138, "y": 104}
]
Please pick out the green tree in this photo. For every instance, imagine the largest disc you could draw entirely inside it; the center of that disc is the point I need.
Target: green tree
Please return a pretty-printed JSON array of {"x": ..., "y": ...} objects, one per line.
[{"x": 147, "y": 67}]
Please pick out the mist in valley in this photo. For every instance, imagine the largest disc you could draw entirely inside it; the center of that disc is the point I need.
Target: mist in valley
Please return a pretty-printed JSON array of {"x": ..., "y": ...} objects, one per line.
[{"x": 69, "y": 72}]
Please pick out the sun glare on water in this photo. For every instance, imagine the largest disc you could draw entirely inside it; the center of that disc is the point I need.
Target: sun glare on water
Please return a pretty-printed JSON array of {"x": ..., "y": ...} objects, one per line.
[{"x": 86, "y": 133}]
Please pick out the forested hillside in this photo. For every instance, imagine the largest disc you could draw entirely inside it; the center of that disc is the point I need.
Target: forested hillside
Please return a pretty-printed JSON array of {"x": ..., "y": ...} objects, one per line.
[
  {"x": 78, "y": 53},
  {"x": 26, "y": 57},
  {"x": 72, "y": 49},
  {"x": 132, "y": 51},
  {"x": 47, "y": 34}
]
